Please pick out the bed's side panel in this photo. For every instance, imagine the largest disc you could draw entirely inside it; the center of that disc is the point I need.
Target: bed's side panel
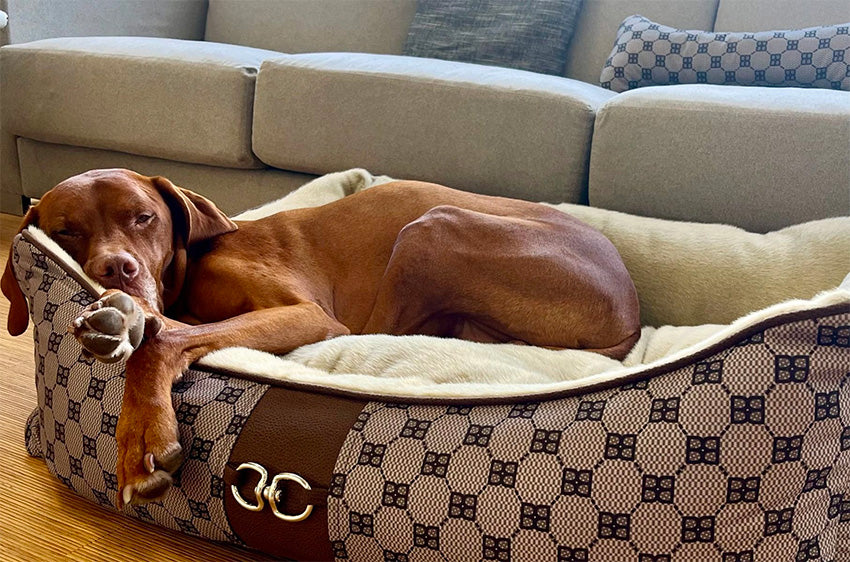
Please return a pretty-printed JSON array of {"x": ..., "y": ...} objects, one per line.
[
  {"x": 745, "y": 453},
  {"x": 79, "y": 401}
]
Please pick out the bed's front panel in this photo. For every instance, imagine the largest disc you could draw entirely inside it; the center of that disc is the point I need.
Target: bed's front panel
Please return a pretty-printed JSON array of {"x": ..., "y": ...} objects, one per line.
[{"x": 741, "y": 455}]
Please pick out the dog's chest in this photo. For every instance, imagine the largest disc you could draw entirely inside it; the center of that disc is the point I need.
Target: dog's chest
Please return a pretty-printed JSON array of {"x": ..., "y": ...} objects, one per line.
[{"x": 223, "y": 284}]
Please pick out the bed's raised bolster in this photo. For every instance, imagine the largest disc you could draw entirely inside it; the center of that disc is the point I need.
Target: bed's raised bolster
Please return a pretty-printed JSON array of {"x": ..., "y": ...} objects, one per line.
[
  {"x": 737, "y": 447},
  {"x": 744, "y": 450}
]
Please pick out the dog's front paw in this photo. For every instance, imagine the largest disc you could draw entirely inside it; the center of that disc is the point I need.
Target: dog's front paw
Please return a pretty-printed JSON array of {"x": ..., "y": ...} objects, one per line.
[
  {"x": 111, "y": 328},
  {"x": 148, "y": 453}
]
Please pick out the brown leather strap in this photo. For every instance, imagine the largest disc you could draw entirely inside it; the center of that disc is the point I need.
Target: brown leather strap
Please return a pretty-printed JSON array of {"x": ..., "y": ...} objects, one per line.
[{"x": 301, "y": 433}]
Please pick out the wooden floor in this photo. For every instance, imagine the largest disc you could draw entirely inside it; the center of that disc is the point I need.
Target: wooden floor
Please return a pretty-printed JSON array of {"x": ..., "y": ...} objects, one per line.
[{"x": 41, "y": 519}]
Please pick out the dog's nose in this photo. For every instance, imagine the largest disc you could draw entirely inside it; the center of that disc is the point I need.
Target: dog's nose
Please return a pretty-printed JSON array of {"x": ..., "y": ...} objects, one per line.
[{"x": 114, "y": 269}]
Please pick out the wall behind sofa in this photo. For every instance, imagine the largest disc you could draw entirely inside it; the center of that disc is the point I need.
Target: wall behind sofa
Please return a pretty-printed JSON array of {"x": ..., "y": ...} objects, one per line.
[{"x": 30, "y": 20}]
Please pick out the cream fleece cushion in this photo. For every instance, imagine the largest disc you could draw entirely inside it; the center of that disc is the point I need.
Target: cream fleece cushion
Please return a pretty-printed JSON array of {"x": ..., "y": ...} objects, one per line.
[{"x": 689, "y": 273}]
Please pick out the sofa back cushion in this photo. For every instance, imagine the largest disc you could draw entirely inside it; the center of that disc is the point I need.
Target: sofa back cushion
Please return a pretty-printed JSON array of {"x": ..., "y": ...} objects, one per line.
[
  {"x": 31, "y": 20},
  {"x": 304, "y": 26},
  {"x": 523, "y": 34}
]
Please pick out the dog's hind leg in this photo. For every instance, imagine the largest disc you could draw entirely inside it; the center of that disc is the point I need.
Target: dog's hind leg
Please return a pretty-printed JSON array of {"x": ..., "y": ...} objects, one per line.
[{"x": 542, "y": 279}]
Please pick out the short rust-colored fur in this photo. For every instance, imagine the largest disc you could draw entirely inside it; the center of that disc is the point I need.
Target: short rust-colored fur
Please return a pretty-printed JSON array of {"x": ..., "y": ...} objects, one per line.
[{"x": 401, "y": 258}]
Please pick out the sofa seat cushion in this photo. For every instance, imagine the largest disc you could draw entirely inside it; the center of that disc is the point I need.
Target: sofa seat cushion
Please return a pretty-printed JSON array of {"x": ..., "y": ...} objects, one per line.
[
  {"x": 759, "y": 158},
  {"x": 480, "y": 128},
  {"x": 188, "y": 101}
]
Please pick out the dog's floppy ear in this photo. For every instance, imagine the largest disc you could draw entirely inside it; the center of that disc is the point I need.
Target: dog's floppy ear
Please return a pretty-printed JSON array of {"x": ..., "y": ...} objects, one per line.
[
  {"x": 197, "y": 217},
  {"x": 18, "y": 312}
]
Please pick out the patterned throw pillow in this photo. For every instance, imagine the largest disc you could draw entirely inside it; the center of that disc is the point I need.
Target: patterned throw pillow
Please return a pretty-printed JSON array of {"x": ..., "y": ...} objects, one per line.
[
  {"x": 650, "y": 54},
  {"x": 525, "y": 34}
]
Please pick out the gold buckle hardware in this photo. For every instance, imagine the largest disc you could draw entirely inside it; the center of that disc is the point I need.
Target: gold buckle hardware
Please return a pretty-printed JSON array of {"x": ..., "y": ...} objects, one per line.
[
  {"x": 271, "y": 492},
  {"x": 258, "y": 490}
]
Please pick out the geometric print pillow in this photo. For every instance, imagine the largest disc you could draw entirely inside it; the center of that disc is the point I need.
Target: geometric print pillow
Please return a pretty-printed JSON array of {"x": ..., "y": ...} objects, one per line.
[{"x": 650, "y": 54}]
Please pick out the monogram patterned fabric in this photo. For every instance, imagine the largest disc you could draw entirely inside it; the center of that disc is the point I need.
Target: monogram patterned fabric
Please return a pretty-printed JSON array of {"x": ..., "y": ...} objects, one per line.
[
  {"x": 650, "y": 54},
  {"x": 79, "y": 400},
  {"x": 739, "y": 456}
]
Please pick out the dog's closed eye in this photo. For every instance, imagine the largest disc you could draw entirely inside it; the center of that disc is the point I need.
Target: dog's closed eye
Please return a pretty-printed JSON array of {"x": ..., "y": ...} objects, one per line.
[{"x": 144, "y": 218}]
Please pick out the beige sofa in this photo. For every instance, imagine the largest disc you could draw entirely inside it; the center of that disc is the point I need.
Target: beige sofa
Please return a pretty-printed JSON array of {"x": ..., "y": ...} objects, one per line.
[{"x": 272, "y": 93}]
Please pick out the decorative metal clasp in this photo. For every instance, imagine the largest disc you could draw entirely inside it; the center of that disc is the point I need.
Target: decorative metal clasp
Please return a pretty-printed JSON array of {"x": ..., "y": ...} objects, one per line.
[
  {"x": 258, "y": 490},
  {"x": 271, "y": 492}
]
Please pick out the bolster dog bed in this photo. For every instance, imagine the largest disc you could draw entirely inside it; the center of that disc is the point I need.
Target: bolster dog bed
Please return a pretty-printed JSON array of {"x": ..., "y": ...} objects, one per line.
[{"x": 724, "y": 435}]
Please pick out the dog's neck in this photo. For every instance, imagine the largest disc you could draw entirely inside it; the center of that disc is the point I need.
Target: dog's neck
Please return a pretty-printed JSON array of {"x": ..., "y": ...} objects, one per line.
[{"x": 173, "y": 279}]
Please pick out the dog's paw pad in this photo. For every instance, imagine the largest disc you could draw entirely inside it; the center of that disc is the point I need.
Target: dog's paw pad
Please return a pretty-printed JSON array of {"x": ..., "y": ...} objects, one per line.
[
  {"x": 111, "y": 328},
  {"x": 102, "y": 346},
  {"x": 122, "y": 302},
  {"x": 108, "y": 321}
]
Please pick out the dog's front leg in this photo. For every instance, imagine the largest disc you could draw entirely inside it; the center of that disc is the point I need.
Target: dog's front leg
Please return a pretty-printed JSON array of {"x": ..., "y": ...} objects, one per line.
[
  {"x": 149, "y": 449},
  {"x": 148, "y": 446}
]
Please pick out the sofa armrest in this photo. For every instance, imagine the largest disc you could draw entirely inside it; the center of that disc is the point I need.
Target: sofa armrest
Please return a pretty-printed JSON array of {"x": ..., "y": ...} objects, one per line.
[
  {"x": 758, "y": 158},
  {"x": 479, "y": 128}
]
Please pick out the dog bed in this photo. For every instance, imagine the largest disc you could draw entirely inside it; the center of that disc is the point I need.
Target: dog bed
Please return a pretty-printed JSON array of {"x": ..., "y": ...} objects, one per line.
[{"x": 724, "y": 435}]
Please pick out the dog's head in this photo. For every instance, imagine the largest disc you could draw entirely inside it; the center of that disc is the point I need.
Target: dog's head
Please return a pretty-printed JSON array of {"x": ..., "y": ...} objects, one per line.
[{"x": 126, "y": 230}]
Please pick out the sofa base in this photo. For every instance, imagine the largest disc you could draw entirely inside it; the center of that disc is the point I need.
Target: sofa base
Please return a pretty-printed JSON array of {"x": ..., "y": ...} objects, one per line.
[{"x": 43, "y": 165}]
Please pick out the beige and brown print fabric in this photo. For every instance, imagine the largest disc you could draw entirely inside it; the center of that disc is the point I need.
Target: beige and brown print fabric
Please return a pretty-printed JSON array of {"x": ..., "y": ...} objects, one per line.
[
  {"x": 79, "y": 400},
  {"x": 742, "y": 455}
]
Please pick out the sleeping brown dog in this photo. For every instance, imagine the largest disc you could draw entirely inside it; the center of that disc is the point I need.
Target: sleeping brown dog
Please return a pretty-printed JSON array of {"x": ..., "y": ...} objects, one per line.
[{"x": 402, "y": 258}]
